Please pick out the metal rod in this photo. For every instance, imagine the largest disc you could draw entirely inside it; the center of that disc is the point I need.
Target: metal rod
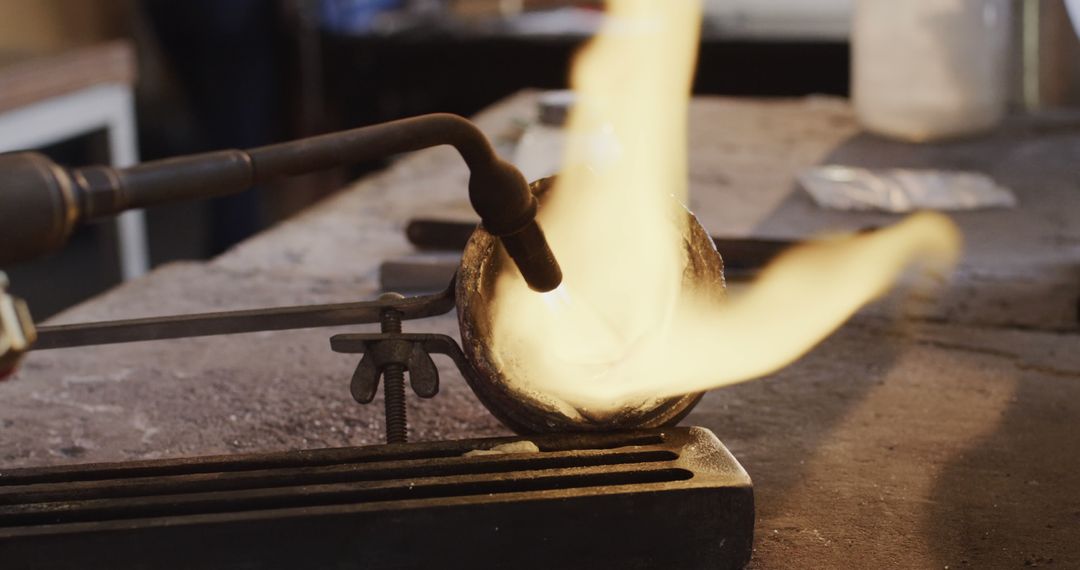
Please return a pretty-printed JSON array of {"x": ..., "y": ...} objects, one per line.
[
  {"x": 376, "y": 141},
  {"x": 397, "y": 422},
  {"x": 108, "y": 191},
  {"x": 233, "y": 322}
]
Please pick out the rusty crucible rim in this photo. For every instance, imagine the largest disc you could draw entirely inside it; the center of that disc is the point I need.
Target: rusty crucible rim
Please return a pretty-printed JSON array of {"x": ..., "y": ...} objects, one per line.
[{"x": 527, "y": 413}]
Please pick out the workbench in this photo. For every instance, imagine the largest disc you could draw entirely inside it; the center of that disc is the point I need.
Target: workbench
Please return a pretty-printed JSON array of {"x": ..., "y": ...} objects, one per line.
[{"x": 928, "y": 434}]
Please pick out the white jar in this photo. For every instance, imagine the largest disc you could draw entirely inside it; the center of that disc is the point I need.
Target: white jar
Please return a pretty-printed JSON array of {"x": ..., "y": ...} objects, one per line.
[{"x": 930, "y": 69}]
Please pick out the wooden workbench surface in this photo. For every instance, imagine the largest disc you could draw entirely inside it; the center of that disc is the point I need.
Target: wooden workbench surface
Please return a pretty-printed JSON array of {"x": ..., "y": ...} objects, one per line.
[{"x": 944, "y": 439}]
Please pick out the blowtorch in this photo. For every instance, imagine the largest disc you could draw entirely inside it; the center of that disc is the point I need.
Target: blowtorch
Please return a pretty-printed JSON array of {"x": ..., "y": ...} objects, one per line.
[{"x": 41, "y": 202}]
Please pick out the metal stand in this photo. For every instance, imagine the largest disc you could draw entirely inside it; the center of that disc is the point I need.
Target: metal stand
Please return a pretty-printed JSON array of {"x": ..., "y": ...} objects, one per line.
[{"x": 388, "y": 354}]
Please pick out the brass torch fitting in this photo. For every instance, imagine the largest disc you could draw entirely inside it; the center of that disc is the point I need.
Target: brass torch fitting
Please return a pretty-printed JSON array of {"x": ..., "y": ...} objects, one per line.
[{"x": 17, "y": 331}]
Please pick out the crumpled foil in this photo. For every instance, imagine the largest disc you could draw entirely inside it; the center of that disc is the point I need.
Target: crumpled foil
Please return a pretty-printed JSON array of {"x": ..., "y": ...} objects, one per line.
[{"x": 902, "y": 190}]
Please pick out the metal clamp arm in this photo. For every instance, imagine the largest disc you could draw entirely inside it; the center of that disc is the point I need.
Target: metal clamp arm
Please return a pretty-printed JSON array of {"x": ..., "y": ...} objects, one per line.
[
  {"x": 233, "y": 322},
  {"x": 410, "y": 350}
]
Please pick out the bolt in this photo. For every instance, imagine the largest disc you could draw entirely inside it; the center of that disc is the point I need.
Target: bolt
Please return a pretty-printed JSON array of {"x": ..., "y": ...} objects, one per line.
[{"x": 397, "y": 424}]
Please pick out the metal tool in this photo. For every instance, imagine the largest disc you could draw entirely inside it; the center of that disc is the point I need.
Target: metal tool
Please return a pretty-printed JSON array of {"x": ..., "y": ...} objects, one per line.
[
  {"x": 672, "y": 498},
  {"x": 390, "y": 355},
  {"x": 41, "y": 202},
  {"x": 234, "y": 322}
]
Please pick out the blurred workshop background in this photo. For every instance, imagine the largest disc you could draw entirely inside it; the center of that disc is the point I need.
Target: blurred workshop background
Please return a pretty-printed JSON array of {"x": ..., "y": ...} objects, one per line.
[{"x": 123, "y": 81}]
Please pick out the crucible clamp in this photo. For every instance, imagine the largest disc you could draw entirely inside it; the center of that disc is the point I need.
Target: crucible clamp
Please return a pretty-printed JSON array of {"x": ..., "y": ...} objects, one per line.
[
  {"x": 412, "y": 351},
  {"x": 389, "y": 355}
]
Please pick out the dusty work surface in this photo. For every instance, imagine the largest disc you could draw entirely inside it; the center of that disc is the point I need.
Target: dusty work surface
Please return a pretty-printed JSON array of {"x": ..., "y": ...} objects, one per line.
[{"x": 895, "y": 444}]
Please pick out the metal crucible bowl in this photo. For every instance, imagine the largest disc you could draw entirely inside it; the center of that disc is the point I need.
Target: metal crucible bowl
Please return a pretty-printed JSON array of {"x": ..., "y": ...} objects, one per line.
[{"x": 527, "y": 412}]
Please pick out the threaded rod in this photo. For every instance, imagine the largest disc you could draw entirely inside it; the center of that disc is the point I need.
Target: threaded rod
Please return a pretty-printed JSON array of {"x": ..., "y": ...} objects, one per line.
[
  {"x": 397, "y": 422},
  {"x": 397, "y": 428}
]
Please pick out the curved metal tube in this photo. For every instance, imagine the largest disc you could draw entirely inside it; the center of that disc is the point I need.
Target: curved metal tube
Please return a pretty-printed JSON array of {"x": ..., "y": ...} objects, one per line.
[
  {"x": 377, "y": 141},
  {"x": 41, "y": 203}
]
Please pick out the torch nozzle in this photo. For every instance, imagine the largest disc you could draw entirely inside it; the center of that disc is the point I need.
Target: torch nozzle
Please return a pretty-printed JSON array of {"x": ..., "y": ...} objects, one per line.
[
  {"x": 507, "y": 208},
  {"x": 532, "y": 255}
]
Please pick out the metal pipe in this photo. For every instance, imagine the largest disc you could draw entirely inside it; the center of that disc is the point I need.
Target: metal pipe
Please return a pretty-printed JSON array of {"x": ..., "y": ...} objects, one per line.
[
  {"x": 377, "y": 141},
  {"x": 235, "y": 322},
  {"x": 41, "y": 203}
]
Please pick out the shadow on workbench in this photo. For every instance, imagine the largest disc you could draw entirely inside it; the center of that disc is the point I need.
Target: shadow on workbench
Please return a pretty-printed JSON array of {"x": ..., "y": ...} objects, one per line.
[
  {"x": 1007, "y": 497},
  {"x": 781, "y": 425},
  {"x": 1012, "y": 498}
]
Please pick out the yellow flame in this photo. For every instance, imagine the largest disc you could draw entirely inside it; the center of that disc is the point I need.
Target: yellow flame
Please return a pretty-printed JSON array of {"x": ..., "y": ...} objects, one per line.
[{"x": 624, "y": 328}]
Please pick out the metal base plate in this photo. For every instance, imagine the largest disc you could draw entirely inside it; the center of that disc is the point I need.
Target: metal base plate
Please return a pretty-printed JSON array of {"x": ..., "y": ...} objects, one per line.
[{"x": 671, "y": 498}]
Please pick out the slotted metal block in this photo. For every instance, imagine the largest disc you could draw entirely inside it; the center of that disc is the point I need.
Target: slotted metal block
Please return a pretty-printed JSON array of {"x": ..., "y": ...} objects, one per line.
[{"x": 671, "y": 498}]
